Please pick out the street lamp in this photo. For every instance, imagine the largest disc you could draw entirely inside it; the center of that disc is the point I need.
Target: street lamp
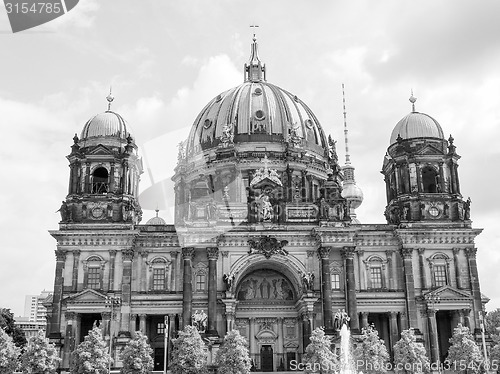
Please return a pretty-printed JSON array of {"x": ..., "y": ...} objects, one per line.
[
  {"x": 112, "y": 301},
  {"x": 481, "y": 318}
]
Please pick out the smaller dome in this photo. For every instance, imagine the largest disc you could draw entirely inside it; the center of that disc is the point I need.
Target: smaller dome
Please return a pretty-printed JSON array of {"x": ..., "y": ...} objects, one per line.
[
  {"x": 417, "y": 125},
  {"x": 156, "y": 220},
  {"x": 107, "y": 124}
]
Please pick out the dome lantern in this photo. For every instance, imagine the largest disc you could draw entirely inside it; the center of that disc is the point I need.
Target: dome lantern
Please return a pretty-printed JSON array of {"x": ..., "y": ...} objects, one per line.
[{"x": 255, "y": 71}]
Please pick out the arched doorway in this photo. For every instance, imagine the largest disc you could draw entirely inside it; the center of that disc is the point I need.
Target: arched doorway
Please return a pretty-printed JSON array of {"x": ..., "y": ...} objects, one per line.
[{"x": 266, "y": 315}]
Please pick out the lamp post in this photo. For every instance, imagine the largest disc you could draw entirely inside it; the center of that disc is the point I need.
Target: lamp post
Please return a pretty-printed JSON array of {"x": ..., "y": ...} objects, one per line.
[
  {"x": 112, "y": 301},
  {"x": 481, "y": 318}
]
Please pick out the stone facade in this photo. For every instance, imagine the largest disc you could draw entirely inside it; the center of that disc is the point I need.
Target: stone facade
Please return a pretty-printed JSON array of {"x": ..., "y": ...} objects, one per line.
[{"x": 263, "y": 241}]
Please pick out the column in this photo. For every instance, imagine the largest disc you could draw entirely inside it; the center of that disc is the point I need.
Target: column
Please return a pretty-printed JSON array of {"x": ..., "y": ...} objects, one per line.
[
  {"x": 76, "y": 261},
  {"x": 433, "y": 337},
  {"x": 251, "y": 343},
  {"x": 306, "y": 330},
  {"x": 460, "y": 314},
  {"x": 364, "y": 319},
  {"x": 87, "y": 188},
  {"x": 474, "y": 284},
  {"x": 457, "y": 267},
  {"x": 142, "y": 323},
  {"x": 348, "y": 254},
  {"x": 143, "y": 271},
  {"x": 281, "y": 340},
  {"x": 361, "y": 261},
  {"x": 326, "y": 288},
  {"x": 69, "y": 338},
  {"x": 388, "y": 255},
  {"x": 125, "y": 177},
  {"x": 407, "y": 254},
  {"x": 111, "y": 278},
  {"x": 393, "y": 327},
  {"x": 466, "y": 314},
  {"x": 441, "y": 178},
  {"x": 187, "y": 286},
  {"x": 133, "y": 325},
  {"x": 112, "y": 178},
  {"x": 421, "y": 263},
  {"x": 173, "y": 271},
  {"x": 55, "y": 319},
  {"x": 127, "y": 256},
  {"x": 213, "y": 255}
]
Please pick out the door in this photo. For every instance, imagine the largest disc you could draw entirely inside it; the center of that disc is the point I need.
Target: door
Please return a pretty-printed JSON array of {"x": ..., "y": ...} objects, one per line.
[
  {"x": 266, "y": 358},
  {"x": 159, "y": 359}
]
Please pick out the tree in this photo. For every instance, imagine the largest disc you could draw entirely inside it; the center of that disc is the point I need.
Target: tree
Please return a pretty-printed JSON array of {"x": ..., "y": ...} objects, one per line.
[
  {"x": 137, "y": 355},
  {"x": 7, "y": 324},
  {"x": 371, "y": 353},
  {"x": 464, "y": 355},
  {"x": 9, "y": 353},
  {"x": 188, "y": 353},
  {"x": 40, "y": 357},
  {"x": 318, "y": 356},
  {"x": 492, "y": 324},
  {"x": 233, "y": 356},
  {"x": 91, "y": 356},
  {"x": 410, "y": 356}
]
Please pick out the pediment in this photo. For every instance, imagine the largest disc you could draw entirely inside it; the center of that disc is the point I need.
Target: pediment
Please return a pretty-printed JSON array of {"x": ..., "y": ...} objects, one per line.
[
  {"x": 292, "y": 345},
  {"x": 449, "y": 293},
  {"x": 266, "y": 335},
  {"x": 429, "y": 149},
  {"x": 100, "y": 150},
  {"x": 87, "y": 297}
]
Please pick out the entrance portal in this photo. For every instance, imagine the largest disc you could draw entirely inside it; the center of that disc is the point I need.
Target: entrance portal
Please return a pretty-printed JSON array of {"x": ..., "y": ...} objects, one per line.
[{"x": 266, "y": 358}]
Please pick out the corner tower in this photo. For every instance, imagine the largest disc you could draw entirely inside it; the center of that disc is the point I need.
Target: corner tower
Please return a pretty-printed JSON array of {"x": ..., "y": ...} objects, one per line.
[
  {"x": 104, "y": 173},
  {"x": 421, "y": 173}
]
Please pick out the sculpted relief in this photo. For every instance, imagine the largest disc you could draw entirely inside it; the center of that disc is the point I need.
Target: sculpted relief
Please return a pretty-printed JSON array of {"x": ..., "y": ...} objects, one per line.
[{"x": 265, "y": 284}]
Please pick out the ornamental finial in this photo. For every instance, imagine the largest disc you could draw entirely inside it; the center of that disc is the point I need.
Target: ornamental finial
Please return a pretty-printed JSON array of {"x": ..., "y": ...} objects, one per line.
[{"x": 110, "y": 99}]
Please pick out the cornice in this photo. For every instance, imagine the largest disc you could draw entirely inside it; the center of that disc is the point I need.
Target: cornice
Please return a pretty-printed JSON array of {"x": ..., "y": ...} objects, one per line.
[
  {"x": 422, "y": 236},
  {"x": 96, "y": 238}
]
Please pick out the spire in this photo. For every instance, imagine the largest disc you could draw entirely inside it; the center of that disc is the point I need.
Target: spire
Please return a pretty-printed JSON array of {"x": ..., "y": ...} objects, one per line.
[
  {"x": 412, "y": 101},
  {"x": 351, "y": 192},
  {"x": 346, "y": 132},
  {"x": 255, "y": 70},
  {"x": 110, "y": 99}
]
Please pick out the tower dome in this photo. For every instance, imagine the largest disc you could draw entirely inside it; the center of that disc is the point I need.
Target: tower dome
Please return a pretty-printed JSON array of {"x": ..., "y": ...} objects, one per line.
[
  {"x": 156, "y": 221},
  {"x": 108, "y": 128},
  {"x": 256, "y": 112},
  {"x": 417, "y": 125}
]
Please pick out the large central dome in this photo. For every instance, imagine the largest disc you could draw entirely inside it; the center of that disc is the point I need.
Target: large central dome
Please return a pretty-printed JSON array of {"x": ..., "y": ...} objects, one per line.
[{"x": 256, "y": 111}]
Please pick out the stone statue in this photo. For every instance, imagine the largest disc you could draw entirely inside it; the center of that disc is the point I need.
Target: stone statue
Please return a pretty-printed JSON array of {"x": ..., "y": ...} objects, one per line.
[
  {"x": 308, "y": 281},
  {"x": 66, "y": 212},
  {"x": 226, "y": 139},
  {"x": 467, "y": 209},
  {"x": 228, "y": 280},
  {"x": 266, "y": 209},
  {"x": 341, "y": 318},
  {"x": 200, "y": 320}
]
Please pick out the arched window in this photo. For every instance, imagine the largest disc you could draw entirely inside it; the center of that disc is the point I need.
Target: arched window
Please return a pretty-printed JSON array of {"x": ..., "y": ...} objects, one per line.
[
  {"x": 375, "y": 271},
  {"x": 430, "y": 179},
  {"x": 200, "y": 277},
  {"x": 100, "y": 182},
  {"x": 439, "y": 264},
  {"x": 158, "y": 268},
  {"x": 93, "y": 272}
]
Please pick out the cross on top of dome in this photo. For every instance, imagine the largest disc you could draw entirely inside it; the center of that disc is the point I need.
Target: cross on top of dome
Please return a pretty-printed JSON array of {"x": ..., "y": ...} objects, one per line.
[{"x": 255, "y": 70}]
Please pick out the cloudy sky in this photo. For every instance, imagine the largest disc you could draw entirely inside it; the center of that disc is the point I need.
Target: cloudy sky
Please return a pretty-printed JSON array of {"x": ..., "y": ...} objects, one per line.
[{"x": 166, "y": 59}]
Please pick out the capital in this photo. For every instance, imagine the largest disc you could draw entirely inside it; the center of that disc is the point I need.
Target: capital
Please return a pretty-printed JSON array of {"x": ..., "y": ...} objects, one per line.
[
  {"x": 60, "y": 255},
  {"x": 187, "y": 253},
  {"x": 324, "y": 252},
  {"x": 212, "y": 253},
  {"x": 128, "y": 254},
  {"x": 471, "y": 252},
  {"x": 407, "y": 253},
  {"x": 348, "y": 252}
]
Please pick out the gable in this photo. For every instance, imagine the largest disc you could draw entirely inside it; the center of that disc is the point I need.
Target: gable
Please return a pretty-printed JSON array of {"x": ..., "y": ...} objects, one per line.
[
  {"x": 86, "y": 297},
  {"x": 449, "y": 293},
  {"x": 429, "y": 149},
  {"x": 100, "y": 150}
]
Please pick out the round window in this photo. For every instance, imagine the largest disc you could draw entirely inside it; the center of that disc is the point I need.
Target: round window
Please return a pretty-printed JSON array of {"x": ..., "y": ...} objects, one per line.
[
  {"x": 207, "y": 123},
  {"x": 259, "y": 114},
  {"x": 258, "y": 91}
]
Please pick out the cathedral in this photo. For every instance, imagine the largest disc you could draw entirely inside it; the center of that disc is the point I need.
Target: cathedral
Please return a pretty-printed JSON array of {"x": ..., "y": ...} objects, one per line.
[{"x": 265, "y": 238}]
